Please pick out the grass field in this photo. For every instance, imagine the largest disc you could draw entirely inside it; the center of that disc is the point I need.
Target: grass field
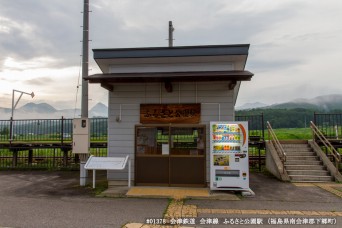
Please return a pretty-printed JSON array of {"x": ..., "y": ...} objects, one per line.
[{"x": 293, "y": 133}]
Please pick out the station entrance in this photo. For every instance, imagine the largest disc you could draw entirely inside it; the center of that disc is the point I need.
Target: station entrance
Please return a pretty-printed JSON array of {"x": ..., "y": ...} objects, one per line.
[{"x": 170, "y": 155}]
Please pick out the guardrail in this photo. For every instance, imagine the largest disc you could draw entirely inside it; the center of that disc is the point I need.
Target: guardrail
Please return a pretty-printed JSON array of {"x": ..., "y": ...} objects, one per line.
[
  {"x": 330, "y": 149},
  {"x": 272, "y": 137}
]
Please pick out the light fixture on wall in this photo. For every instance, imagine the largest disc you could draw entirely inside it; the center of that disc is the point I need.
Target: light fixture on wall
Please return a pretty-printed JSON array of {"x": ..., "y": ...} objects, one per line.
[
  {"x": 231, "y": 85},
  {"x": 168, "y": 87}
]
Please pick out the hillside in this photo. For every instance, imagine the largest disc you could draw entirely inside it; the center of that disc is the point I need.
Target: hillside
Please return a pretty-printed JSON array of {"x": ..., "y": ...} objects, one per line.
[
  {"x": 46, "y": 111},
  {"x": 320, "y": 104}
]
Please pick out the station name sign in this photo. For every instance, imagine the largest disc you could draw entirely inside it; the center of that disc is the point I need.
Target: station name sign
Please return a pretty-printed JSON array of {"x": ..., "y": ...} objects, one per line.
[{"x": 170, "y": 113}]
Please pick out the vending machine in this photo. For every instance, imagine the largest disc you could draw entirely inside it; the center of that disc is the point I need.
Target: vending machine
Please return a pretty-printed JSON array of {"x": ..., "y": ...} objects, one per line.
[{"x": 229, "y": 166}]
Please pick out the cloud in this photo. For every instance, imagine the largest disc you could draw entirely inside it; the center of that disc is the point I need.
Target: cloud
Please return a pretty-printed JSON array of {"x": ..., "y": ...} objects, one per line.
[
  {"x": 39, "y": 81},
  {"x": 294, "y": 44}
]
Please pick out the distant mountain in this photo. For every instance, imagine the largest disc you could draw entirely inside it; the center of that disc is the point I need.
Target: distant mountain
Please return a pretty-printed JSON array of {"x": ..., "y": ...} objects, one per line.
[
  {"x": 297, "y": 113},
  {"x": 248, "y": 106},
  {"x": 40, "y": 108},
  {"x": 321, "y": 103},
  {"x": 326, "y": 103},
  {"x": 46, "y": 111},
  {"x": 99, "y": 110}
]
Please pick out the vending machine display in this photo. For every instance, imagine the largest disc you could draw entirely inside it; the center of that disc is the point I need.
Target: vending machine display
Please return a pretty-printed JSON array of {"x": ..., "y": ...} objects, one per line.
[{"x": 229, "y": 166}]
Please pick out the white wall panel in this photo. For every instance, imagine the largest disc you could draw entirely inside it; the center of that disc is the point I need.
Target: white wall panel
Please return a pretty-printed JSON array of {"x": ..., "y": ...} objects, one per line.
[{"x": 216, "y": 104}]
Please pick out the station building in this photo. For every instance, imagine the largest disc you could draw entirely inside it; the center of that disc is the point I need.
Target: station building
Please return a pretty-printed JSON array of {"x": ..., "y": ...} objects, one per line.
[{"x": 161, "y": 101}]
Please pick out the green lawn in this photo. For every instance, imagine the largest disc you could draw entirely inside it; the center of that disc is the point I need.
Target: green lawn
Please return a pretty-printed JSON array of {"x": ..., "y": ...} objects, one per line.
[{"x": 293, "y": 133}]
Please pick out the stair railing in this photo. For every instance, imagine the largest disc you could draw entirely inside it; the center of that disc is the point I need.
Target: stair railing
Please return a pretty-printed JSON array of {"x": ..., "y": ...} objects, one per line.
[
  {"x": 272, "y": 137},
  {"x": 331, "y": 150}
]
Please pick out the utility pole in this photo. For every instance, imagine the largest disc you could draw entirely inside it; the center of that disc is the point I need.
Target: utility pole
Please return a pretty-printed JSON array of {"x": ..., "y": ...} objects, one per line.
[
  {"x": 85, "y": 59},
  {"x": 84, "y": 102},
  {"x": 171, "y": 29}
]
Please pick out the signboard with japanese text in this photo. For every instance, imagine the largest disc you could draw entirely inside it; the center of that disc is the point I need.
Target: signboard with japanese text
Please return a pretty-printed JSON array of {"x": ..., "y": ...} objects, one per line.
[{"x": 170, "y": 113}]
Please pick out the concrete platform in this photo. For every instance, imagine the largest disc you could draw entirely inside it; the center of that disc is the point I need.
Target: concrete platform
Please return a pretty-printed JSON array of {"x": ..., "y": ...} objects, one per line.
[{"x": 168, "y": 192}]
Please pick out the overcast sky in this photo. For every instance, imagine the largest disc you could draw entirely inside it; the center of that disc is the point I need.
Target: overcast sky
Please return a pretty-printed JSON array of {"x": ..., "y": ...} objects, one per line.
[{"x": 295, "y": 47}]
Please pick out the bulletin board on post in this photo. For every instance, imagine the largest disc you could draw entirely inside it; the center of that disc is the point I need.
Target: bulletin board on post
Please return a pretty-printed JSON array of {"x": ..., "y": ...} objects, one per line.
[{"x": 108, "y": 163}]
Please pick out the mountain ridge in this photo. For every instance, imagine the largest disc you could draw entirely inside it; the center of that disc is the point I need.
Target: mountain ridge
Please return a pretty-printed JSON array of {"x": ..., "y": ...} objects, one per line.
[
  {"x": 324, "y": 103},
  {"x": 46, "y": 111}
]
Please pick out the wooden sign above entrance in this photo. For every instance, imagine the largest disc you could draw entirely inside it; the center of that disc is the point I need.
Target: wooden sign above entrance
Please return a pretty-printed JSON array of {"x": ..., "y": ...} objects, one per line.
[{"x": 170, "y": 113}]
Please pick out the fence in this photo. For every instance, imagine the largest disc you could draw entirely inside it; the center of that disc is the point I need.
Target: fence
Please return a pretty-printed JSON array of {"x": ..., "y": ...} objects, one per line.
[
  {"x": 48, "y": 130},
  {"x": 46, "y": 143},
  {"x": 256, "y": 127},
  {"x": 329, "y": 124},
  {"x": 42, "y": 158}
]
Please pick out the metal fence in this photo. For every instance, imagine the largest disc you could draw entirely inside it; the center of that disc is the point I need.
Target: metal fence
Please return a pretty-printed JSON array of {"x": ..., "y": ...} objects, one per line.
[
  {"x": 48, "y": 130},
  {"x": 256, "y": 127},
  {"x": 46, "y": 143},
  {"x": 329, "y": 124},
  {"x": 42, "y": 158}
]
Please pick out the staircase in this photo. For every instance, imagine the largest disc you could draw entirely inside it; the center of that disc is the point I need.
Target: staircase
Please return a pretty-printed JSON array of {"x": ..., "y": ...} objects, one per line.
[{"x": 303, "y": 165}]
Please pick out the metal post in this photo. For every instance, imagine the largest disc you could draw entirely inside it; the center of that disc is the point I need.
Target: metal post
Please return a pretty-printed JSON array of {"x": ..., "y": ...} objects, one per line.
[
  {"x": 65, "y": 157},
  {"x": 263, "y": 126},
  {"x": 85, "y": 59},
  {"x": 171, "y": 29},
  {"x": 259, "y": 157},
  {"x": 30, "y": 156},
  {"x": 62, "y": 131},
  {"x": 82, "y": 173},
  {"x": 85, "y": 62},
  {"x": 11, "y": 130},
  {"x": 15, "y": 105},
  {"x": 94, "y": 177},
  {"x": 129, "y": 172},
  {"x": 15, "y": 158}
]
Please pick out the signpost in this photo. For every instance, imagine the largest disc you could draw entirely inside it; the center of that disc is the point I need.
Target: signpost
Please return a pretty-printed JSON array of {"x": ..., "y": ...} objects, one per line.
[{"x": 108, "y": 163}]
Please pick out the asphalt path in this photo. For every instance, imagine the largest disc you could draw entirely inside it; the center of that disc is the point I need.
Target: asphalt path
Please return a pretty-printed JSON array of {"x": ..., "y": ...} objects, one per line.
[{"x": 54, "y": 199}]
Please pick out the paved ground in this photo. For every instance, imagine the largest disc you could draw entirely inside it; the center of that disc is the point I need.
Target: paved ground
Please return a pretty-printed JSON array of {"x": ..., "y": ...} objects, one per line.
[{"x": 53, "y": 199}]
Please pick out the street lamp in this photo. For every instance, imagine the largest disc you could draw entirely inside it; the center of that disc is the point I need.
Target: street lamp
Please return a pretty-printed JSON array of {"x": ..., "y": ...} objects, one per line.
[{"x": 15, "y": 105}]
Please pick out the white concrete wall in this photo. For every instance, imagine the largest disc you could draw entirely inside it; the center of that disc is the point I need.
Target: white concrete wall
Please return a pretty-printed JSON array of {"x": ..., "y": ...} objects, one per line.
[{"x": 124, "y": 111}]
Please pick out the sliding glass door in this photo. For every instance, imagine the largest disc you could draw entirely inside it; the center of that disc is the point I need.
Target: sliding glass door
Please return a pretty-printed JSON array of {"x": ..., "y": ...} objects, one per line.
[{"x": 170, "y": 155}]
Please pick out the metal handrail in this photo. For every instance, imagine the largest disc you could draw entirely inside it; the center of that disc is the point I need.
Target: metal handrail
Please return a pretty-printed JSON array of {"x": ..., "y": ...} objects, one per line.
[
  {"x": 272, "y": 137},
  {"x": 327, "y": 144}
]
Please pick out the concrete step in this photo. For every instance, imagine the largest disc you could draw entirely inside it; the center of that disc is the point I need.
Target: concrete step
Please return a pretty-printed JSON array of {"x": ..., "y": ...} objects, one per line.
[
  {"x": 310, "y": 178},
  {"x": 295, "y": 145},
  {"x": 306, "y": 158},
  {"x": 296, "y": 150},
  {"x": 309, "y": 172},
  {"x": 304, "y": 167},
  {"x": 303, "y": 162},
  {"x": 300, "y": 153}
]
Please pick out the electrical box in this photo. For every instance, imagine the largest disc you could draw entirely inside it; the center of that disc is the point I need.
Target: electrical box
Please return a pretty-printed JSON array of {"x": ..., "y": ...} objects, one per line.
[
  {"x": 80, "y": 140},
  {"x": 81, "y": 126}
]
